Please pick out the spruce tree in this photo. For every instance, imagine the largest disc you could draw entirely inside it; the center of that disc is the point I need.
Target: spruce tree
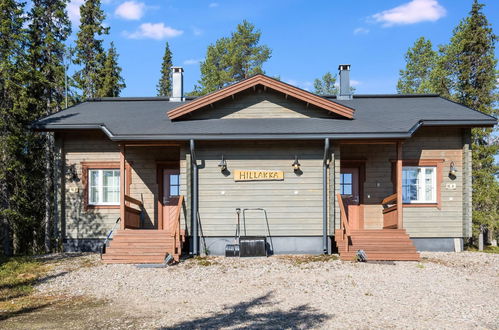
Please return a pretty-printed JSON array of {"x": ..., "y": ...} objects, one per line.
[
  {"x": 470, "y": 63},
  {"x": 232, "y": 59},
  {"x": 111, "y": 81},
  {"x": 90, "y": 54},
  {"x": 48, "y": 31},
  {"x": 11, "y": 91},
  {"x": 326, "y": 85},
  {"x": 164, "y": 86},
  {"x": 420, "y": 62}
]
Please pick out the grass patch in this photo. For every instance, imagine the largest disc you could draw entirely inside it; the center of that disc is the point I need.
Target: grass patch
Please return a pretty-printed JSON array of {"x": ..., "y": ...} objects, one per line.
[
  {"x": 204, "y": 261},
  {"x": 17, "y": 277},
  {"x": 486, "y": 249},
  {"x": 306, "y": 259}
]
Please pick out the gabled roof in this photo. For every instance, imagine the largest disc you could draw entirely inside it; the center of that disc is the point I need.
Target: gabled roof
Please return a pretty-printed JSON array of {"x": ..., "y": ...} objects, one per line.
[{"x": 267, "y": 82}]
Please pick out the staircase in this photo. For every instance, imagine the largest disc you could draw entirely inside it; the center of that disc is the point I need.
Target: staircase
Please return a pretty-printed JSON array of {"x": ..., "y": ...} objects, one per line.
[
  {"x": 139, "y": 246},
  {"x": 382, "y": 244}
]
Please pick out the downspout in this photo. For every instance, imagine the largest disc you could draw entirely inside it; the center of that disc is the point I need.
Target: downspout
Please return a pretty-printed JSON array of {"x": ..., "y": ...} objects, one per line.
[
  {"x": 194, "y": 199},
  {"x": 325, "y": 195}
]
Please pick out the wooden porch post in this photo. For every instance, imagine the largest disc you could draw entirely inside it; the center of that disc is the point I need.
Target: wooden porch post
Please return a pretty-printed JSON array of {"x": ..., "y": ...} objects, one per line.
[
  {"x": 400, "y": 208},
  {"x": 122, "y": 186}
]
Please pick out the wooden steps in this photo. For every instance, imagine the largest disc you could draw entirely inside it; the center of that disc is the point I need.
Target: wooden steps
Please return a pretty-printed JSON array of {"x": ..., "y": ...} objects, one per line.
[
  {"x": 382, "y": 244},
  {"x": 135, "y": 246}
]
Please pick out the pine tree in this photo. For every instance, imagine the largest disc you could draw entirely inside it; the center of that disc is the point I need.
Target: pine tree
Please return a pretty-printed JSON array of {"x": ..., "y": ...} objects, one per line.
[
  {"x": 164, "y": 87},
  {"x": 326, "y": 85},
  {"x": 90, "y": 54},
  {"x": 232, "y": 59},
  {"x": 466, "y": 72},
  {"x": 420, "y": 61},
  {"x": 112, "y": 82}
]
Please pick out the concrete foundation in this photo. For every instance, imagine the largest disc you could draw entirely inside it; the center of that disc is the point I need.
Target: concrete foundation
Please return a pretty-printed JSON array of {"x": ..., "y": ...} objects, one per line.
[{"x": 445, "y": 244}]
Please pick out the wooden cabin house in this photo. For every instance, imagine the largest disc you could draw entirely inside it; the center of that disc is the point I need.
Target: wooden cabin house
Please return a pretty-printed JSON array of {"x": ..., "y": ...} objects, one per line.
[{"x": 389, "y": 174}]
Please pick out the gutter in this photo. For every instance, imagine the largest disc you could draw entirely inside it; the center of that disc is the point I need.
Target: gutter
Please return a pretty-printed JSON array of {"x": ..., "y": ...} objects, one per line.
[
  {"x": 267, "y": 136},
  {"x": 325, "y": 196},
  {"x": 194, "y": 199}
]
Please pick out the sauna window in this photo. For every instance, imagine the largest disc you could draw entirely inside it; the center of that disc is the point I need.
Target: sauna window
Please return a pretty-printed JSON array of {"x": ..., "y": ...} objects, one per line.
[{"x": 419, "y": 184}]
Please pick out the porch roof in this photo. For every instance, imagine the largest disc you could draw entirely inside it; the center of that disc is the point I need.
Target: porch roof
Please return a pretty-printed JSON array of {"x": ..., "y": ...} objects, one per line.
[{"x": 376, "y": 116}]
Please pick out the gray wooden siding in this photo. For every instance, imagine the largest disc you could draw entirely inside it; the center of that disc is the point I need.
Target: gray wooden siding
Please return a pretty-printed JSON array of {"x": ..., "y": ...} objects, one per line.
[
  {"x": 438, "y": 143},
  {"x": 294, "y": 205},
  {"x": 95, "y": 147},
  {"x": 427, "y": 143},
  {"x": 261, "y": 105},
  {"x": 86, "y": 147}
]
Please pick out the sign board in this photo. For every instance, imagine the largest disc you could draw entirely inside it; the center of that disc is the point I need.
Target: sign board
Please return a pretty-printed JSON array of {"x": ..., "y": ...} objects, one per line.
[{"x": 258, "y": 175}]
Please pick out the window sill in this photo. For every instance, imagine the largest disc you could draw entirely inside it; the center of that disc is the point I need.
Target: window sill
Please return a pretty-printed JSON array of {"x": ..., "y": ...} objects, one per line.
[
  {"x": 102, "y": 206},
  {"x": 422, "y": 205}
]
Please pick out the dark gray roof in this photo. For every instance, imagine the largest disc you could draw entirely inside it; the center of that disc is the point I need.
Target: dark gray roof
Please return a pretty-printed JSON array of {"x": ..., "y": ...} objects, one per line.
[{"x": 383, "y": 116}]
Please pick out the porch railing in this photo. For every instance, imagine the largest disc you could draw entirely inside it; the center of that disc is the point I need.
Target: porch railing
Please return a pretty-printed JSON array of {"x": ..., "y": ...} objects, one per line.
[
  {"x": 390, "y": 212},
  {"x": 132, "y": 214},
  {"x": 344, "y": 226},
  {"x": 174, "y": 228}
]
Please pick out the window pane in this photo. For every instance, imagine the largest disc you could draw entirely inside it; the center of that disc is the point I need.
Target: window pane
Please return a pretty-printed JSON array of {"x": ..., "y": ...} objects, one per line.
[
  {"x": 94, "y": 178},
  {"x": 347, "y": 178},
  {"x": 346, "y": 189},
  {"x": 94, "y": 195},
  {"x": 174, "y": 191},
  {"x": 429, "y": 185},
  {"x": 174, "y": 179},
  {"x": 410, "y": 184},
  {"x": 111, "y": 195}
]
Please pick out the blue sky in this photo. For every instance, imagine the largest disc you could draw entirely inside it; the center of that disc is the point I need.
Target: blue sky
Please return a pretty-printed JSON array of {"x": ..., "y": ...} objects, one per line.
[{"x": 307, "y": 38}]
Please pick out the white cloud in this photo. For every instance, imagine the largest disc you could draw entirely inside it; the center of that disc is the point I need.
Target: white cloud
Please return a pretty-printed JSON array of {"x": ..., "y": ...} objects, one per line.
[
  {"x": 411, "y": 12},
  {"x": 360, "y": 30},
  {"x": 213, "y": 4},
  {"x": 74, "y": 11},
  {"x": 130, "y": 10},
  {"x": 156, "y": 31},
  {"x": 191, "y": 61},
  {"x": 354, "y": 82}
]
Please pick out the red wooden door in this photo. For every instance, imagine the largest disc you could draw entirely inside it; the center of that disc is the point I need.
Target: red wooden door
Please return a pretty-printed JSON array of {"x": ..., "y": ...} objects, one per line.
[
  {"x": 171, "y": 193},
  {"x": 350, "y": 192}
]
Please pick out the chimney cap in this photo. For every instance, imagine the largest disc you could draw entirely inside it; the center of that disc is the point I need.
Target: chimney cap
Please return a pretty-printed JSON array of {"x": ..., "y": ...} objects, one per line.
[
  {"x": 342, "y": 67},
  {"x": 177, "y": 69}
]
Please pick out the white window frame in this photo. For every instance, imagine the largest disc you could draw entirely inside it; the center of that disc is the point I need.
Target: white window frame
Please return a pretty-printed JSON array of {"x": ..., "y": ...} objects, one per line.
[
  {"x": 100, "y": 187},
  {"x": 422, "y": 185}
]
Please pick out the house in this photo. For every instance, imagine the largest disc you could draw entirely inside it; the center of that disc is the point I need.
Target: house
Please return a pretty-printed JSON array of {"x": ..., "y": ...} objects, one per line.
[{"x": 389, "y": 174}]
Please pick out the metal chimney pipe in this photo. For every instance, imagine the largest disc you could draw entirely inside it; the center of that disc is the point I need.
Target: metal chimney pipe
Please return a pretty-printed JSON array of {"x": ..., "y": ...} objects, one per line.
[
  {"x": 177, "y": 84},
  {"x": 345, "y": 93}
]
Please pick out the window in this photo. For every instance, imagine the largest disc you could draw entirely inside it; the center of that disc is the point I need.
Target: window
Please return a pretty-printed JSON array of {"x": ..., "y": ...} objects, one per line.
[
  {"x": 103, "y": 186},
  {"x": 346, "y": 183},
  {"x": 419, "y": 184},
  {"x": 174, "y": 185}
]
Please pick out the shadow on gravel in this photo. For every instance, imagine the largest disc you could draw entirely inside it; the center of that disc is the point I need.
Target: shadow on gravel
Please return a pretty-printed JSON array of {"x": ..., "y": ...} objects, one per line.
[{"x": 299, "y": 317}]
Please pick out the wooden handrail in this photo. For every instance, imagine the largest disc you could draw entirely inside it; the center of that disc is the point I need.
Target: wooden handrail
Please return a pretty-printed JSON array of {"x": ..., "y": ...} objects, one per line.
[
  {"x": 344, "y": 227},
  {"x": 133, "y": 201},
  {"x": 390, "y": 199}
]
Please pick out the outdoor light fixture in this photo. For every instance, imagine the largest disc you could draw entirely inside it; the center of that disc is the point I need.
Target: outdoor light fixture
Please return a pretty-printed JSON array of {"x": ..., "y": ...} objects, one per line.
[
  {"x": 453, "y": 170},
  {"x": 296, "y": 164},
  {"x": 222, "y": 165}
]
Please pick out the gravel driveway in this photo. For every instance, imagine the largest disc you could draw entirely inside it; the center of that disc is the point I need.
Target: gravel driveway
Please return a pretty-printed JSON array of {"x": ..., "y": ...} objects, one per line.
[{"x": 445, "y": 290}]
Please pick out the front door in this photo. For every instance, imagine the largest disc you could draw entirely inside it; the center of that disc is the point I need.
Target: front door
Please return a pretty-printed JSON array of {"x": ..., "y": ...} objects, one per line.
[
  {"x": 350, "y": 193},
  {"x": 170, "y": 192}
]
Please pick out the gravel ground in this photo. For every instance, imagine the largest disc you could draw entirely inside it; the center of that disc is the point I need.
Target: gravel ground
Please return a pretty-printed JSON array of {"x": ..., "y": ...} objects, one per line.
[{"x": 444, "y": 290}]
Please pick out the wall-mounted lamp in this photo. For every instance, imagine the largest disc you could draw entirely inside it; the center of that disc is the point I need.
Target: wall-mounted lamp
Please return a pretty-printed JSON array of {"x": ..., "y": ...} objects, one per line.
[
  {"x": 222, "y": 165},
  {"x": 296, "y": 164},
  {"x": 453, "y": 169},
  {"x": 72, "y": 174}
]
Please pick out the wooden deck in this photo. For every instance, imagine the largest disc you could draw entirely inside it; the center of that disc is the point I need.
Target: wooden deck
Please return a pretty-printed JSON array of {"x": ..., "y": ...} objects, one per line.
[
  {"x": 138, "y": 246},
  {"x": 389, "y": 243}
]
